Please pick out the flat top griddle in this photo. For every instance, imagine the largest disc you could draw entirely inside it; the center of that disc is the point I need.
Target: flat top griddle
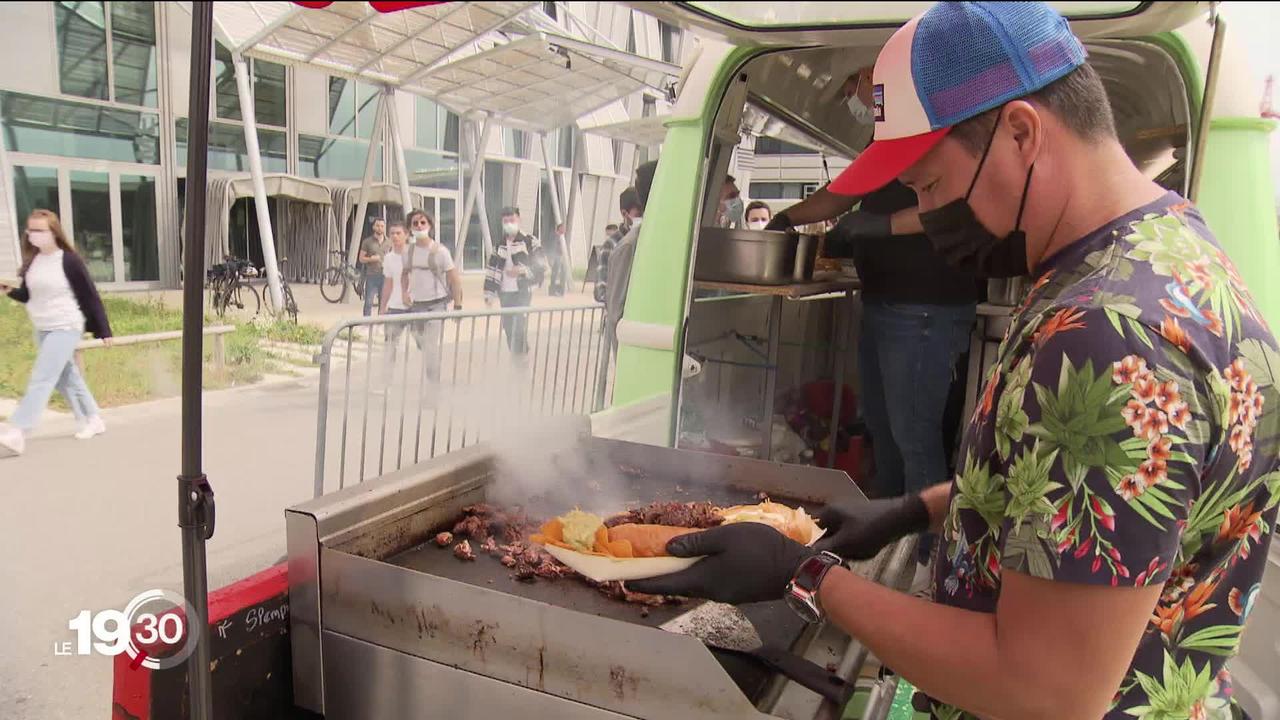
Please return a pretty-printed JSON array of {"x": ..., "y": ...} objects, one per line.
[{"x": 776, "y": 625}]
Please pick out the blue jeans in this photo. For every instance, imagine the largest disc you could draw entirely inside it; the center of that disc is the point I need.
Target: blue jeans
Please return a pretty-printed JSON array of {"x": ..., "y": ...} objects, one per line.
[
  {"x": 907, "y": 354},
  {"x": 54, "y": 369},
  {"x": 373, "y": 291}
]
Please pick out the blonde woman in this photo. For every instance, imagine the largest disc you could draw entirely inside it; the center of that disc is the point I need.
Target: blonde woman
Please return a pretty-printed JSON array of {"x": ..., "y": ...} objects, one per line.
[{"x": 63, "y": 304}]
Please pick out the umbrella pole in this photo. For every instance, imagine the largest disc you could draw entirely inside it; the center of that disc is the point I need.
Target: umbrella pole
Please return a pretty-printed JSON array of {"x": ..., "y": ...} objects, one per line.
[{"x": 195, "y": 495}]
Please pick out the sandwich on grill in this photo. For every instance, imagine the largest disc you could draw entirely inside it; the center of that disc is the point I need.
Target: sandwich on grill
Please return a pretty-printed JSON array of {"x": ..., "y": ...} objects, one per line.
[{"x": 620, "y": 548}]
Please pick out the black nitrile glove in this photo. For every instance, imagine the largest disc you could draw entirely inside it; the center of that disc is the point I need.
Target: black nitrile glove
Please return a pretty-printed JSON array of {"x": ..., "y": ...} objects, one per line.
[
  {"x": 745, "y": 562},
  {"x": 858, "y": 530},
  {"x": 854, "y": 228},
  {"x": 780, "y": 222}
]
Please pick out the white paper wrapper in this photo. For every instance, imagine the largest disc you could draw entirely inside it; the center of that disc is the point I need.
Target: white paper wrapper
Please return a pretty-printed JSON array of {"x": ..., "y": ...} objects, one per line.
[{"x": 605, "y": 569}]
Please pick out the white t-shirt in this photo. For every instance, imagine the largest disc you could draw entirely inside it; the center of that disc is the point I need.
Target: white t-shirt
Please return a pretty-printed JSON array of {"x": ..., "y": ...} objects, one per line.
[
  {"x": 509, "y": 284},
  {"x": 428, "y": 277},
  {"x": 392, "y": 268},
  {"x": 52, "y": 305}
]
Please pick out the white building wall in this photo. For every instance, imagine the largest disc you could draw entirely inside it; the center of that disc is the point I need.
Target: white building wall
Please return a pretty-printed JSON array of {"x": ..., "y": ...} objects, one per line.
[{"x": 28, "y": 55}]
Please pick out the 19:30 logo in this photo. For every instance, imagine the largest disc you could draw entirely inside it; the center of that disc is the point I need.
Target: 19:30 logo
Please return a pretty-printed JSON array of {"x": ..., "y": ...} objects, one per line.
[{"x": 137, "y": 631}]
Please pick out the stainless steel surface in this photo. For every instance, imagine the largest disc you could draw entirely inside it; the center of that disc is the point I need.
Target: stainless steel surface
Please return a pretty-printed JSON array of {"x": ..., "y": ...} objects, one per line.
[
  {"x": 304, "y": 611},
  {"x": 771, "y": 377},
  {"x": 379, "y": 585},
  {"x": 368, "y": 682},
  {"x": 1006, "y": 291},
  {"x": 759, "y": 257}
]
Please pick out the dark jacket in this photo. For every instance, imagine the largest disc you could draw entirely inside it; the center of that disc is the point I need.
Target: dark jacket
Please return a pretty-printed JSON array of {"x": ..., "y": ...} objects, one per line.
[
  {"x": 95, "y": 315},
  {"x": 524, "y": 251}
]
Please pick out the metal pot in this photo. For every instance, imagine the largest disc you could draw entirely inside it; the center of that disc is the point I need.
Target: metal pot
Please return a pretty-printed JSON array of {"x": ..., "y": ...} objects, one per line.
[{"x": 755, "y": 257}]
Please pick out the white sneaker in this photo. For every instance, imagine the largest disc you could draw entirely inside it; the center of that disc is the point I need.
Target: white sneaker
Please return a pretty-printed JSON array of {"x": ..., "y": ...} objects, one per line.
[
  {"x": 92, "y": 426},
  {"x": 12, "y": 439}
]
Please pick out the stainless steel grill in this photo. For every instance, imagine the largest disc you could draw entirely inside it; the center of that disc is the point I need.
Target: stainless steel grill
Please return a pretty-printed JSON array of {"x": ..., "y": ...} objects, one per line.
[{"x": 386, "y": 625}]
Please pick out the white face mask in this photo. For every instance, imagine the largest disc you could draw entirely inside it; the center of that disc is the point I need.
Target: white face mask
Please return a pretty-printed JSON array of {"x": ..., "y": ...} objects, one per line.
[
  {"x": 41, "y": 239},
  {"x": 757, "y": 224},
  {"x": 510, "y": 228},
  {"x": 421, "y": 235}
]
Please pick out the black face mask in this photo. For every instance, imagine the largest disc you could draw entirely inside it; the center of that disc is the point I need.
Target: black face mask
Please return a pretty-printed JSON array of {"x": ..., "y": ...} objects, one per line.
[{"x": 965, "y": 243}]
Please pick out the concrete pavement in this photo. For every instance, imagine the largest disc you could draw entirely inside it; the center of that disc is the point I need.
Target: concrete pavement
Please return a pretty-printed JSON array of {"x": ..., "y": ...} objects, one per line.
[{"x": 88, "y": 525}]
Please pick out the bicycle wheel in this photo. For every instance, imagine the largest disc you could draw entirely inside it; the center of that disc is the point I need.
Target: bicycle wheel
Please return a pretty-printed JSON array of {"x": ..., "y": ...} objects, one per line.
[
  {"x": 218, "y": 300},
  {"x": 333, "y": 285},
  {"x": 357, "y": 282},
  {"x": 246, "y": 298},
  {"x": 290, "y": 305}
]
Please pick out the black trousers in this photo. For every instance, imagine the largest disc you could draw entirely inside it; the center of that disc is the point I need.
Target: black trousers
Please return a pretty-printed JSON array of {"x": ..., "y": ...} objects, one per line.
[{"x": 516, "y": 327}]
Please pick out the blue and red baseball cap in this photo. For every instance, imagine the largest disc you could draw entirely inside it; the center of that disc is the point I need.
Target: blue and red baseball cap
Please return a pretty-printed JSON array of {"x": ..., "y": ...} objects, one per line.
[{"x": 953, "y": 62}]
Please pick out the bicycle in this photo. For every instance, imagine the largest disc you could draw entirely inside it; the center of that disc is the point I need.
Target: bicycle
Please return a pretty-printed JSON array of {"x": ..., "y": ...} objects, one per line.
[
  {"x": 227, "y": 288},
  {"x": 290, "y": 305},
  {"x": 338, "y": 277}
]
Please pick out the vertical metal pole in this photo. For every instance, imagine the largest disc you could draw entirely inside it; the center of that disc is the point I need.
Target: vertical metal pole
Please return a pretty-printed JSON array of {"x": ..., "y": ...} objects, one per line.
[
  {"x": 843, "y": 313},
  {"x": 370, "y": 162},
  {"x": 771, "y": 375},
  {"x": 195, "y": 494},
  {"x": 575, "y": 190},
  {"x": 554, "y": 187},
  {"x": 397, "y": 146},
  {"x": 481, "y": 139},
  {"x": 261, "y": 209}
]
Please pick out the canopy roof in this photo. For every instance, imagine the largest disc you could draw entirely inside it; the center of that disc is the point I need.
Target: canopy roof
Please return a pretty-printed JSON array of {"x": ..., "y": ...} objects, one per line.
[
  {"x": 539, "y": 82},
  {"x": 647, "y": 132},
  {"x": 288, "y": 186},
  {"x": 542, "y": 81}
]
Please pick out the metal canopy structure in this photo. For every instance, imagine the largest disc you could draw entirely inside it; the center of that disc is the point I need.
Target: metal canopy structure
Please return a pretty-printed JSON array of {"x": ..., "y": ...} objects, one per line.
[
  {"x": 461, "y": 55},
  {"x": 646, "y": 132},
  {"x": 354, "y": 39},
  {"x": 287, "y": 186},
  {"x": 542, "y": 82}
]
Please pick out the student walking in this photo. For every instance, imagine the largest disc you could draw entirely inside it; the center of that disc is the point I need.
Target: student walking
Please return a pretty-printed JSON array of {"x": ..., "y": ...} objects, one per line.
[{"x": 63, "y": 304}]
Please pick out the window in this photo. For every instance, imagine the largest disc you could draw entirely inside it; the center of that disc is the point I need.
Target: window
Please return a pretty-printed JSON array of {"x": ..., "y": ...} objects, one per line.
[
  {"x": 269, "y": 90},
  {"x": 432, "y": 170},
  {"x": 774, "y": 146},
  {"x": 670, "y": 42},
  {"x": 550, "y": 9},
  {"x": 82, "y": 49},
  {"x": 515, "y": 143},
  {"x": 617, "y": 156},
  {"x": 335, "y": 158},
  {"x": 353, "y": 107},
  {"x": 436, "y": 126},
  {"x": 563, "y": 155},
  {"x": 89, "y": 32},
  {"x": 226, "y": 97},
  {"x": 46, "y": 126},
  {"x": 227, "y": 150},
  {"x": 342, "y": 106},
  {"x": 648, "y": 107},
  {"x": 133, "y": 53},
  {"x": 138, "y": 225},
  {"x": 35, "y": 188},
  {"x": 777, "y": 191},
  {"x": 631, "y": 32}
]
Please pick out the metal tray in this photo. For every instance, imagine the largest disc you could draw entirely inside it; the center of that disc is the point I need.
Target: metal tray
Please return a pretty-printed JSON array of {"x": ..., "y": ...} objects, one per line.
[{"x": 754, "y": 257}]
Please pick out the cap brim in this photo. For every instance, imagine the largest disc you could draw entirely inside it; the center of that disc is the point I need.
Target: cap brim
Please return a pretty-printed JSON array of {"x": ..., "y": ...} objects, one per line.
[{"x": 884, "y": 160}]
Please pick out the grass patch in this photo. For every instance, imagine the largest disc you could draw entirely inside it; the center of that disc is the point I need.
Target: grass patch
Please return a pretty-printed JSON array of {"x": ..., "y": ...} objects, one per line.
[{"x": 130, "y": 374}]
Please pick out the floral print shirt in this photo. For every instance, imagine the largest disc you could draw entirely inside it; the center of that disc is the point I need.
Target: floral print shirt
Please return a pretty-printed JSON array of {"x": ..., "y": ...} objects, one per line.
[{"x": 1127, "y": 435}]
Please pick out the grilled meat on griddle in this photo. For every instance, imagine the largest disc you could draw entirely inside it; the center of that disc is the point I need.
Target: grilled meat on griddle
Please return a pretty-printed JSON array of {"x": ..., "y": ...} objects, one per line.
[{"x": 699, "y": 515}]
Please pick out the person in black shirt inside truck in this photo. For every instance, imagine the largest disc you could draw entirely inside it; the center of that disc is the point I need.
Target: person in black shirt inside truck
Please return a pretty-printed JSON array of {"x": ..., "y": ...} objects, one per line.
[{"x": 916, "y": 318}]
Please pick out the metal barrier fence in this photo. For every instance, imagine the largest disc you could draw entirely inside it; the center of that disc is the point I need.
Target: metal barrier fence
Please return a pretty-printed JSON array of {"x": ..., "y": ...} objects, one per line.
[{"x": 399, "y": 389}]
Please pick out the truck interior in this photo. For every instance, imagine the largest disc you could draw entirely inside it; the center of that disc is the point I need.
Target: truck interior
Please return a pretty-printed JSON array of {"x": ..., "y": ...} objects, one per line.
[{"x": 795, "y": 95}]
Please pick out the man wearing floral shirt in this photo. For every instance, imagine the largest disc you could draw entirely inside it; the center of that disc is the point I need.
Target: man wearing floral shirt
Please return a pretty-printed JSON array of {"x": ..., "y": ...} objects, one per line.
[{"x": 1105, "y": 538}]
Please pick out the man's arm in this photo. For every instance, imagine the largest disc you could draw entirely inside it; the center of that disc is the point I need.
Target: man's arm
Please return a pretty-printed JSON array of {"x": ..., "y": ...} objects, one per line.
[
  {"x": 386, "y": 297},
  {"x": 906, "y": 222},
  {"x": 1052, "y": 650},
  {"x": 455, "y": 286},
  {"x": 822, "y": 205}
]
